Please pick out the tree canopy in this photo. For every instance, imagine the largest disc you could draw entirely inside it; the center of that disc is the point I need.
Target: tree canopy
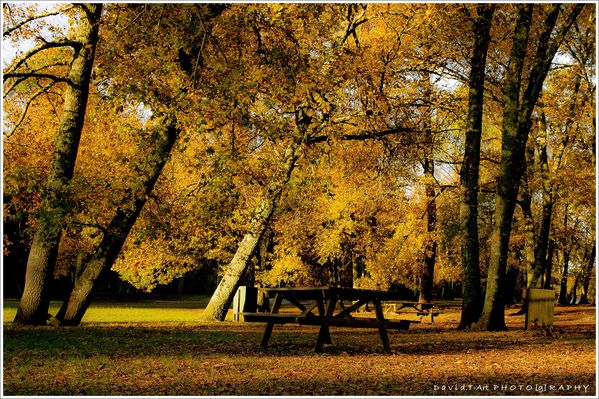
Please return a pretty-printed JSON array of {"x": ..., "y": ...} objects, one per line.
[{"x": 307, "y": 144}]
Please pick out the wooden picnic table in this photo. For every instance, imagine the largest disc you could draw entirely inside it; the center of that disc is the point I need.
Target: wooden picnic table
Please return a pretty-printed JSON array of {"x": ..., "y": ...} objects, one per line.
[{"x": 325, "y": 307}]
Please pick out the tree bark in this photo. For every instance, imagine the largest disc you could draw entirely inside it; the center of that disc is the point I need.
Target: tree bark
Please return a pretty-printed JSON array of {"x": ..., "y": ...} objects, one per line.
[
  {"x": 33, "y": 307},
  {"x": 563, "y": 291},
  {"x": 573, "y": 292},
  {"x": 469, "y": 173},
  {"x": 542, "y": 241},
  {"x": 430, "y": 250},
  {"x": 549, "y": 265},
  {"x": 525, "y": 203},
  {"x": 346, "y": 273},
  {"x": 428, "y": 169},
  {"x": 119, "y": 227},
  {"x": 220, "y": 301},
  {"x": 587, "y": 273}
]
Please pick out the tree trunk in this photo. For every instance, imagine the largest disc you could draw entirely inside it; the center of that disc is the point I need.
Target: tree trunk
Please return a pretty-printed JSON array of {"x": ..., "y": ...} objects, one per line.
[
  {"x": 357, "y": 270},
  {"x": 223, "y": 295},
  {"x": 511, "y": 280},
  {"x": 512, "y": 166},
  {"x": 469, "y": 173},
  {"x": 529, "y": 245},
  {"x": 549, "y": 265},
  {"x": 428, "y": 169},
  {"x": 545, "y": 225},
  {"x": 33, "y": 307},
  {"x": 118, "y": 229},
  {"x": 546, "y": 175},
  {"x": 563, "y": 291},
  {"x": 516, "y": 127},
  {"x": 430, "y": 251},
  {"x": 587, "y": 273},
  {"x": 346, "y": 275},
  {"x": 573, "y": 294},
  {"x": 525, "y": 203}
]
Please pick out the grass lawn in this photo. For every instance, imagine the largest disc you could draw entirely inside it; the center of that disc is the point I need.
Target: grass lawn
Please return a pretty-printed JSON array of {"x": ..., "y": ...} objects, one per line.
[
  {"x": 187, "y": 309},
  {"x": 159, "y": 348}
]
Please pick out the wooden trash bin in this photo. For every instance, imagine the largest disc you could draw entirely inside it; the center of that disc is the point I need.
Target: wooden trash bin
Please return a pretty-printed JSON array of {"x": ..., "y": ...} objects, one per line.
[
  {"x": 244, "y": 301},
  {"x": 540, "y": 308}
]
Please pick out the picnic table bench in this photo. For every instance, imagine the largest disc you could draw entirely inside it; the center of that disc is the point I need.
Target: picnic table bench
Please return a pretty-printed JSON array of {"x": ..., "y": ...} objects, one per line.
[
  {"x": 423, "y": 309},
  {"x": 325, "y": 307}
]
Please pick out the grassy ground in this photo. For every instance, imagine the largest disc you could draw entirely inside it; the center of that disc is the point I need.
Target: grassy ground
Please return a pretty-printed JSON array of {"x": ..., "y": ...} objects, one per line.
[
  {"x": 158, "y": 348},
  {"x": 184, "y": 310}
]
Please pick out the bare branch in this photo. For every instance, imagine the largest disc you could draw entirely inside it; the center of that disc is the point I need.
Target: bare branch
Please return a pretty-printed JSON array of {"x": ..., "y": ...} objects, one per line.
[
  {"x": 362, "y": 136},
  {"x": 27, "y": 75},
  {"x": 22, "y": 79}
]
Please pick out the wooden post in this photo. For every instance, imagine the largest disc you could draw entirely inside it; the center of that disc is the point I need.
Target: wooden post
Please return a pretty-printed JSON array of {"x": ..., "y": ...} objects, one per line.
[
  {"x": 324, "y": 335},
  {"x": 382, "y": 329},
  {"x": 270, "y": 325}
]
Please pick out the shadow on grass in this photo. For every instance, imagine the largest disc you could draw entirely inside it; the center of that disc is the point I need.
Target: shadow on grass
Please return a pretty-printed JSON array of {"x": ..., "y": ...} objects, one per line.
[{"x": 233, "y": 339}]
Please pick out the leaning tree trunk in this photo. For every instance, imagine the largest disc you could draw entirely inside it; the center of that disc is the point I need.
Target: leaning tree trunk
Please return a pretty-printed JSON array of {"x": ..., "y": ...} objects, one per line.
[
  {"x": 222, "y": 297},
  {"x": 469, "y": 173},
  {"x": 119, "y": 227},
  {"x": 33, "y": 307}
]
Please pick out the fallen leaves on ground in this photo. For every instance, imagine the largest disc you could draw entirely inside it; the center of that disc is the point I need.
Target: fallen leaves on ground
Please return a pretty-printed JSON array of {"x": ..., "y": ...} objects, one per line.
[{"x": 225, "y": 359}]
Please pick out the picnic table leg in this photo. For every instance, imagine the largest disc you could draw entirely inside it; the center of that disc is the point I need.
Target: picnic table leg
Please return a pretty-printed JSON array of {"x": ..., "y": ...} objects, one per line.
[
  {"x": 382, "y": 329},
  {"x": 322, "y": 313},
  {"x": 324, "y": 335},
  {"x": 270, "y": 324},
  {"x": 429, "y": 312}
]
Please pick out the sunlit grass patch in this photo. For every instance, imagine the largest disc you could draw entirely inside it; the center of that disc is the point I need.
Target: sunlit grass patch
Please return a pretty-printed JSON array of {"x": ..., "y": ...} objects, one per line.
[{"x": 185, "y": 310}]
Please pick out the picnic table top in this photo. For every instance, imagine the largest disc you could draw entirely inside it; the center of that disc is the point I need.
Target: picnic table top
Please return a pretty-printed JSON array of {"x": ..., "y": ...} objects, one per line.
[{"x": 339, "y": 292}]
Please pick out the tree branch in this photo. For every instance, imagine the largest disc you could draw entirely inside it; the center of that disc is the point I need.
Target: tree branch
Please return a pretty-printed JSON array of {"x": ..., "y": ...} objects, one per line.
[
  {"x": 546, "y": 51},
  {"x": 11, "y": 29},
  {"x": 22, "y": 79},
  {"x": 42, "y": 90},
  {"x": 363, "y": 136},
  {"x": 27, "y": 75},
  {"x": 43, "y": 46}
]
